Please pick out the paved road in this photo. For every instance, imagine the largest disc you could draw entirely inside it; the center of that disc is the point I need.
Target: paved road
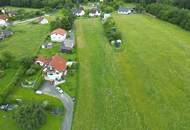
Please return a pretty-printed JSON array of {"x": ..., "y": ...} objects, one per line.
[
  {"x": 25, "y": 21},
  {"x": 65, "y": 99}
]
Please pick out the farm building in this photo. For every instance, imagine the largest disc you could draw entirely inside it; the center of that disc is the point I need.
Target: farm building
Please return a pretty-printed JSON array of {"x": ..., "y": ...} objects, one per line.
[
  {"x": 79, "y": 12},
  {"x": 123, "y": 10},
  {"x": 43, "y": 20},
  {"x": 5, "y": 33},
  {"x": 67, "y": 46},
  {"x": 94, "y": 12},
  {"x": 58, "y": 35}
]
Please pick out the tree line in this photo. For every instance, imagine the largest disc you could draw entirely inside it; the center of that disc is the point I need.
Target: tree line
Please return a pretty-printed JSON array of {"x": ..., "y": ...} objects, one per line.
[{"x": 172, "y": 14}]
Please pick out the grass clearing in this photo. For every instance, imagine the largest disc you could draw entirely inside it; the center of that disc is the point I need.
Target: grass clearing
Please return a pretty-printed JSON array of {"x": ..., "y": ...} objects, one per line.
[{"x": 145, "y": 86}]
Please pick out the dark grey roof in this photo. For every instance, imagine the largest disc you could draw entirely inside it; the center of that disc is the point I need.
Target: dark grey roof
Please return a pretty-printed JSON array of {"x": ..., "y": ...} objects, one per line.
[
  {"x": 68, "y": 44},
  {"x": 123, "y": 9},
  {"x": 5, "y": 33},
  {"x": 94, "y": 10},
  {"x": 78, "y": 10}
]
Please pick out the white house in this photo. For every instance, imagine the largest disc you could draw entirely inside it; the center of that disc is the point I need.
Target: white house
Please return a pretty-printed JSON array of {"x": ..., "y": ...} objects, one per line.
[
  {"x": 79, "y": 12},
  {"x": 94, "y": 12},
  {"x": 3, "y": 20},
  {"x": 58, "y": 35},
  {"x": 106, "y": 16},
  {"x": 122, "y": 10},
  {"x": 43, "y": 20},
  {"x": 55, "y": 68}
]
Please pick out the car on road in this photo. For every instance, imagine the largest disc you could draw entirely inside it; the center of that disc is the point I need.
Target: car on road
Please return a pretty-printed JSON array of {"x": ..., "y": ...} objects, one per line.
[
  {"x": 58, "y": 88},
  {"x": 61, "y": 91}
]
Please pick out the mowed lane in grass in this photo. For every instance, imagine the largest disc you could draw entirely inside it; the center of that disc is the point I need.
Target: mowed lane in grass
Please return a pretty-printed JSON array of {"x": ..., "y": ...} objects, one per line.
[
  {"x": 155, "y": 68},
  {"x": 101, "y": 102}
]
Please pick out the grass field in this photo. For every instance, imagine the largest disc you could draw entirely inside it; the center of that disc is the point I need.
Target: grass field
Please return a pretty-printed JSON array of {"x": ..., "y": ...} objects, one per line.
[
  {"x": 26, "y": 41},
  {"x": 17, "y": 8},
  {"x": 145, "y": 86}
]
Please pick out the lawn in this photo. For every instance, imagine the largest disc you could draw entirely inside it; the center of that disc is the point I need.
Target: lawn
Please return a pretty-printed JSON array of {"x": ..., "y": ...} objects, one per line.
[
  {"x": 144, "y": 86},
  {"x": 26, "y": 41},
  {"x": 7, "y": 122},
  {"x": 17, "y": 8}
]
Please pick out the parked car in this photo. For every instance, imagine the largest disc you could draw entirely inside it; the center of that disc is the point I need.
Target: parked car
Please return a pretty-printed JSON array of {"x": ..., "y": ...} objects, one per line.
[
  {"x": 58, "y": 88},
  {"x": 39, "y": 92},
  {"x": 61, "y": 91}
]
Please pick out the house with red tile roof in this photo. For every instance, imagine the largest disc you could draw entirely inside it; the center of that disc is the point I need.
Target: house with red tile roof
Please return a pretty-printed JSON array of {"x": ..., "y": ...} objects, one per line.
[
  {"x": 3, "y": 20},
  {"x": 58, "y": 35},
  {"x": 55, "y": 68}
]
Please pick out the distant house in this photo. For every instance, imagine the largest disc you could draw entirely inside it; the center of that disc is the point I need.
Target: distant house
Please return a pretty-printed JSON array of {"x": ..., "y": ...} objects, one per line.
[
  {"x": 106, "y": 16},
  {"x": 55, "y": 68},
  {"x": 43, "y": 20},
  {"x": 94, "y": 12},
  {"x": 5, "y": 33},
  {"x": 58, "y": 35},
  {"x": 3, "y": 20},
  {"x": 123, "y": 10},
  {"x": 79, "y": 12},
  {"x": 67, "y": 46}
]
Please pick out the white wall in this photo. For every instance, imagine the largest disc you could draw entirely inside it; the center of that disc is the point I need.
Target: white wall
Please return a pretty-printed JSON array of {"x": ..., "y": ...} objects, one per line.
[
  {"x": 3, "y": 23},
  {"x": 80, "y": 14},
  {"x": 44, "y": 21},
  {"x": 58, "y": 38}
]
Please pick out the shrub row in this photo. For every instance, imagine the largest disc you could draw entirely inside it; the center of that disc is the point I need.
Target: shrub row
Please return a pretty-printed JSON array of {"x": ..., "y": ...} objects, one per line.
[
  {"x": 111, "y": 31},
  {"x": 180, "y": 17}
]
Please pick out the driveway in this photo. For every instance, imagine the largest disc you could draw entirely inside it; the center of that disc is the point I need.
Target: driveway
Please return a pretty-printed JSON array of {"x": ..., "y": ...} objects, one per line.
[{"x": 65, "y": 99}]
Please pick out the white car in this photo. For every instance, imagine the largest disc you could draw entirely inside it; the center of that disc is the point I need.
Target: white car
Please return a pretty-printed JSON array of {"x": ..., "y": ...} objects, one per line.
[
  {"x": 39, "y": 92},
  {"x": 58, "y": 88},
  {"x": 61, "y": 91}
]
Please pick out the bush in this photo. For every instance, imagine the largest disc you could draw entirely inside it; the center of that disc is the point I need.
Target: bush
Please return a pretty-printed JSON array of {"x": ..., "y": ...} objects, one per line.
[
  {"x": 30, "y": 72},
  {"x": 111, "y": 31},
  {"x": 30, "y": 116},
  {"x": 2, "y": 74}
]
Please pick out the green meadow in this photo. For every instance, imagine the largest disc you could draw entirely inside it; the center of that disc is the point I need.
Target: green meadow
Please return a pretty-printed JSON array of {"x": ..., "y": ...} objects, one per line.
[{"x": 145, "y": 85}]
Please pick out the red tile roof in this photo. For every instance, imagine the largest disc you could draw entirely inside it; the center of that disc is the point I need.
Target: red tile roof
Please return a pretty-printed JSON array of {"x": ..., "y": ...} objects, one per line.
[
  {"x": 41, "y": 59},
  {"x": 58, "y": 63},
  {"x": 59, "y": 31},
  {"x": 4, "y": 17}
]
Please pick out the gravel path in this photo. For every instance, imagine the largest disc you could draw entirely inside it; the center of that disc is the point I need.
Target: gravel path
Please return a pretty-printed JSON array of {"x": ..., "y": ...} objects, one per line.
[{"x": 65, "y": 99}]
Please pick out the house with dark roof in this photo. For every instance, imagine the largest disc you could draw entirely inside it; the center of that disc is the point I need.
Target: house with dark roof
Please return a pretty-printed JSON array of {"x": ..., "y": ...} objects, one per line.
[
  {"x": 5, "y": 33},
  {"x": 67, "y": 46},
  {"x": 123, "y": 10},
  {"x": 94, "y": 12},
  {"x": 79, "y": 12},
  {"x": 58, "y": 35}
]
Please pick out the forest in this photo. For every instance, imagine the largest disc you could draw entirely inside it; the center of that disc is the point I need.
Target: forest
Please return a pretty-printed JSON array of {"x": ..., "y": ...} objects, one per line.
[{"x": 69, "y": 3}]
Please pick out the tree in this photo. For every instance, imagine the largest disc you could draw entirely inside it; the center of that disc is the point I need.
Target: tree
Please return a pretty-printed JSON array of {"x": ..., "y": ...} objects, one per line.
[{"x": 30, "y": 116}]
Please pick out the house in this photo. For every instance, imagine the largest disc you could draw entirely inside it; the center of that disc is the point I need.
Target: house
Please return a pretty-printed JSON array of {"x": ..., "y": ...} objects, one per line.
[
  {"x": 106, "y": 16},
  {"x": 43, "y": 20},
  {"x": 79, "y": 12},
  {"x": 58, "y": 35},
  {"x": 123, "y": 10},
  {"x": 67, "y": 46},
  {"x": 55, "y": 68},
  {"x": 94, "y": 12},
  {"x": 3, "y": 20},
  {"x": 5, "y": 33}
]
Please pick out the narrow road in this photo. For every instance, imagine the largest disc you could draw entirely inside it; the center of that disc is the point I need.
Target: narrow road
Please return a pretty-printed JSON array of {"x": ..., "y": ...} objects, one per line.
[{"x": 65, "y": 99}]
